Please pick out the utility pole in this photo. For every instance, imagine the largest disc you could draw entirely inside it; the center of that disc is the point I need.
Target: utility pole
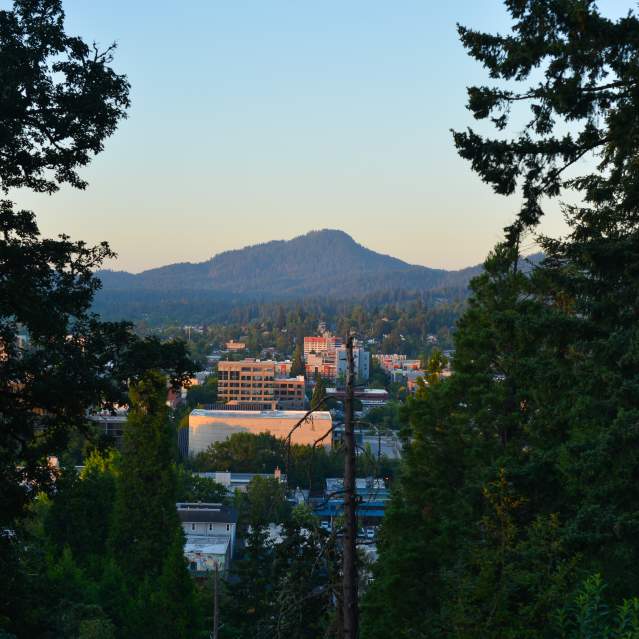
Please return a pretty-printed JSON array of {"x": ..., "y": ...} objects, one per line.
[
  {"x": 216, "y": 603},
  {"x": 349, "y": 561}
]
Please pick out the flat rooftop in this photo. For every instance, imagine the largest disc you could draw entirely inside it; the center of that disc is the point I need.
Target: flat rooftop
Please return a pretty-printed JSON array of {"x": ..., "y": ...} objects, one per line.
[
  {"x": 259, "y": 414},
  {"x": 360, "y": 392}
]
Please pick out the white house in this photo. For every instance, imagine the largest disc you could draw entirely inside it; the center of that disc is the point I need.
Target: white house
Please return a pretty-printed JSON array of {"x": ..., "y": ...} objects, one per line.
[{"x": 210, "y": 535}]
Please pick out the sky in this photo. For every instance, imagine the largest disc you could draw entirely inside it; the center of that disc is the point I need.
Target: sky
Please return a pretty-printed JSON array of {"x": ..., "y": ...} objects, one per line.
[{"x": 255, "y": 120}]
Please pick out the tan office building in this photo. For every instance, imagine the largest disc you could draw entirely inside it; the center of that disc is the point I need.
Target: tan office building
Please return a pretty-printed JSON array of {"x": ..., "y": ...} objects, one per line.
[{"x": 256, "y": 382}]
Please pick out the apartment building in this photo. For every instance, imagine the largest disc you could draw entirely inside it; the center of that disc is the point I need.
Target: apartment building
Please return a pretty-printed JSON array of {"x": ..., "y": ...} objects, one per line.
[
  {"x": 396, "y": 362},
  {"x": 320, "y": 355},
  {"x": 321, "y": 344},
  {"x": 259, "y": 382},
  {"x": 322, "y": 364}
]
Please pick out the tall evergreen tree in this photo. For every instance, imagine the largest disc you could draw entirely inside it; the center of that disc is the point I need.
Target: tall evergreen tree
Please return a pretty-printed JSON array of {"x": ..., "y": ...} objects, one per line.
[
  {"x": 145, "y": 517},
  {"x": 588, "y": 79},
  {"x": 177, "y": 616},
  {"x": 247, "y": 608},
  {"x": 518, "y": 479},
  {"x": 147, "y": 540},
  {"x": 319, "y": 394},
  {"x": 588, "y": 285},
  {"x": 297, "y": 363}
]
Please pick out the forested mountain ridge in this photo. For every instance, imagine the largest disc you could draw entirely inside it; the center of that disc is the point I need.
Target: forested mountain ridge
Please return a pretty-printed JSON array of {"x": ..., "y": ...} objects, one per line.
[
  {"x": 326, "y": 266},
  {"x": 326, "y": 262}
]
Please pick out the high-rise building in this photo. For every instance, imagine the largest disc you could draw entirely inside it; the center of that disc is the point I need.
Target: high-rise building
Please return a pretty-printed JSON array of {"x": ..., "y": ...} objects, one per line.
[
  {"x": 326, "y": 356},
  {"x": 361, "y": 361},
  {"x": 319, "y": 355},
  {"x": 321, "y": 344}
]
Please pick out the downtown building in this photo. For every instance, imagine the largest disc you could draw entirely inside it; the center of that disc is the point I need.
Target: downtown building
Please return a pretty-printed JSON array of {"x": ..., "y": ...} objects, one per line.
[
  {"x": 207, "y": 427},
  {"x": 260, "y": 384},
  {"x": 326, "y": 356}
]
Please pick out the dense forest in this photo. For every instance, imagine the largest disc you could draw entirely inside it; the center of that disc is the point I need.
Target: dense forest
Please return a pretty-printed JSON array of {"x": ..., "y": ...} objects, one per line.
[
  {"x": 409, "y": 327},
  {"x": 195, "y": 307},
  {"x": 359, "y": 277}
]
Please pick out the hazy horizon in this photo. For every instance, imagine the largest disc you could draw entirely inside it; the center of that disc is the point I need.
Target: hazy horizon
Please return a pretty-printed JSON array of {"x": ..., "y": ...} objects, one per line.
[{"x": 257, "y": 122}]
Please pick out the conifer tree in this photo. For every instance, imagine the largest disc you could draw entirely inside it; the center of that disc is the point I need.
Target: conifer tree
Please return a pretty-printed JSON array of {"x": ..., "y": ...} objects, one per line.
[
  {"x": 247, "y": 608},
  {"x": 177, "y": 614},
  {"x": 147, "y": 540},
  {"x": 538, "y": 422},
  {"x": 145, "y": 518},
  {"x": 297, "y": 363},
  {"x": 319, "y": 394}
]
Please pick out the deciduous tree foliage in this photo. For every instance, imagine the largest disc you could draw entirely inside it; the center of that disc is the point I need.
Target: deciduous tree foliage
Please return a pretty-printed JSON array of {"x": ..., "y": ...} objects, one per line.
[
  {"x": 59, "y": 101},
  {"x": 283, "y": 588},
  {"x": 319, "y": 394},
  {"x": 263, "y": 503},
  {"x": 80, "y": 514},
  {"x": 60, "y": 98}
]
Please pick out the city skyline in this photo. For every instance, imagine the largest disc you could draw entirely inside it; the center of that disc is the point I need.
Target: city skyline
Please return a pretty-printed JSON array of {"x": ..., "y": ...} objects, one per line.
[{"x": 257, "y": 123}]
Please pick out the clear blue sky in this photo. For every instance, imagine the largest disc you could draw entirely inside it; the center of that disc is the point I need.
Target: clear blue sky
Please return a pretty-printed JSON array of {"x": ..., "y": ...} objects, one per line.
[{"x": 255, "y": 120}]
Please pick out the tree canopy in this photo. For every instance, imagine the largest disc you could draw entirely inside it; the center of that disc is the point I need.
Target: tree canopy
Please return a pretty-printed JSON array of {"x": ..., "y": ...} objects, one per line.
[
  {"x": 517, "y": 485},
  {"x": 583, "y": 97},
  {"x": 60, "y": 98},
  {"x": 59, "y": 101}
]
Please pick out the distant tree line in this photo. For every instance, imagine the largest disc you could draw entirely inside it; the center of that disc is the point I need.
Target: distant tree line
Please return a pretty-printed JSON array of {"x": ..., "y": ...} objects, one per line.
[{"x": 406, "y": 327}]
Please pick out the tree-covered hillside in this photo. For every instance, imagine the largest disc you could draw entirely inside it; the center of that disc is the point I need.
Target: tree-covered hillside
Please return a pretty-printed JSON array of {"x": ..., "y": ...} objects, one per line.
[
  {"x": 320, "y": 262},
  {"x": 322, "y": 267}
]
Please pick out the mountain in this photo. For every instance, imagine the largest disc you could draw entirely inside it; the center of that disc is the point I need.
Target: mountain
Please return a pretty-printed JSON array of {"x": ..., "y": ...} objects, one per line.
[{"x": 326, "y": 263}]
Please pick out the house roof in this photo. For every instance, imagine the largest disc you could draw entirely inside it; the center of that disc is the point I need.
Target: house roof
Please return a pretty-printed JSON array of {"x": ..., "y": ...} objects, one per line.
[
  {"x": 207, "y": 513},
  {"x": 217, "y": 545}
]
